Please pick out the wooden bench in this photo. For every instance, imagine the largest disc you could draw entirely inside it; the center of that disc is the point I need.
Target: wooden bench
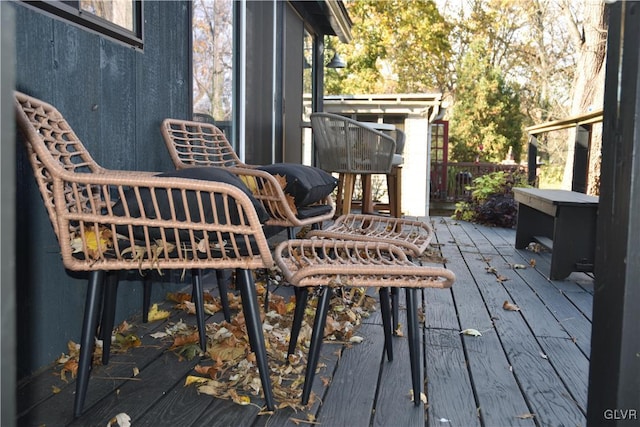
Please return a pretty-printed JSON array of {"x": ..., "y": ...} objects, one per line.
[{"x": 562, "y": 221}]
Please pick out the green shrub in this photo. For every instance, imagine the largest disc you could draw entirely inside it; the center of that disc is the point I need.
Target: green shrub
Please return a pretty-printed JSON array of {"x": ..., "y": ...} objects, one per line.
[{"x": 491, "y": 199}]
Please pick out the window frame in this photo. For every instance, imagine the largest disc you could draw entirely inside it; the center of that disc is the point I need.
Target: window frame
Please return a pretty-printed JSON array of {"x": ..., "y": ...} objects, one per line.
[{"x": 70, "y": 11}]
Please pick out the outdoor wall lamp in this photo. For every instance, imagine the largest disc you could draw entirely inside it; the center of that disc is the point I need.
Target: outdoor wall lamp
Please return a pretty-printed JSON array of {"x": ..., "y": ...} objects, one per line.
[{"x": 336, "y": 61}]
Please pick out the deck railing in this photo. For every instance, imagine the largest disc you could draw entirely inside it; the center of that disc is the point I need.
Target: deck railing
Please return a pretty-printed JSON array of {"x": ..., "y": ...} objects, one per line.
[
  {"x": 583, "y": 125},
  {"x": 459, "y": 176}
]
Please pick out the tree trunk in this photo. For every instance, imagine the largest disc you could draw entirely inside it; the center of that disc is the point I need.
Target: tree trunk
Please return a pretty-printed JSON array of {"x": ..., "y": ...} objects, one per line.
[{"x": 588, "y": 87}]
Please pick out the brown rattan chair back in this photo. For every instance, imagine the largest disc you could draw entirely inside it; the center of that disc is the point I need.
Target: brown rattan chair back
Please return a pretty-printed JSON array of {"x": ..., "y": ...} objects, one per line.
[{"x": 194, "y": 144}]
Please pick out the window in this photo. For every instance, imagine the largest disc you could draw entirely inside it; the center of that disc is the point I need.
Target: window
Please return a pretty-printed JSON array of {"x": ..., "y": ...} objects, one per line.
[
  {"x": 213, "y": 62},
  {"x": 118, "y": 19}
]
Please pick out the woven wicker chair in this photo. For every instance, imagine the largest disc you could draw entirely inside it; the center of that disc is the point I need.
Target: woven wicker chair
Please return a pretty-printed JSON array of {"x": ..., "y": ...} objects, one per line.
[
  {"x": 412, "y": 236},
  {"x": 106, "y": 221},
  {"x": 327, "y": 263},
  {"x": 197, "y": 144},
  {"x": 351, "y": 148}
]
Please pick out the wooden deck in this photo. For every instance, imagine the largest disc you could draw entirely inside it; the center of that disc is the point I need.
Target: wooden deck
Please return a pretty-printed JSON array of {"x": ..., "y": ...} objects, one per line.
[{"x": 528, "y": 368}]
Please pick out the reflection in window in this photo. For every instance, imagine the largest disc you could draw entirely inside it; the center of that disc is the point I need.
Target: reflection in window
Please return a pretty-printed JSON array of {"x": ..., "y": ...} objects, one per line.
[
  {"x": 119, "y": 12},
  {"x": 213, "y": 61},
  {"x": 307, "y": 75},
  {"x": 117, "y": 19}
]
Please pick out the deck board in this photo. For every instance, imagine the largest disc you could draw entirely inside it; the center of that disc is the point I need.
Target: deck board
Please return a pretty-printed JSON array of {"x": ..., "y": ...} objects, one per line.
[
  {"x": 449, "y": 388},
  {"x": 532, "y": 361},
  {"x": 354, "y": 382},
  {"x": 393, "y": 402}
]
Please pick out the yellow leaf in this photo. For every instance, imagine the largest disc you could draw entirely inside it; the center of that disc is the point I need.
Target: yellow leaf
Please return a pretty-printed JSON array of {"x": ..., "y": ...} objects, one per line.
[
  {"x": 55, "y": 390},
  {"x": 96, "y": 243},
  {"x": 155, "y": 314},
  {"x": 241, "y": 400},
  {"x": 192, "y": 379},
  {"x": 250, "y": 182}
]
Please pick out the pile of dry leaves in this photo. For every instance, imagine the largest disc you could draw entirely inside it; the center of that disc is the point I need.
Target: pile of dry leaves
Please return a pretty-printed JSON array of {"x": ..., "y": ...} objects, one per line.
[{"x": 227, "y": 369}]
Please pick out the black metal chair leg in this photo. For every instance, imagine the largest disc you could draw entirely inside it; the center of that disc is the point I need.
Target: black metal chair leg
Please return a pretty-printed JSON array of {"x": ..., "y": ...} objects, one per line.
[
  {"x": 385, "y": 308},
  {"x": 414, "y": 344},
  {"x": 108, "y": 313},
  {"x": 395, "y": 302},
  {"x": 291, "y": 233},
  {"x": 250, "y": 306},
  {"x": 222, "y": 277},
  {"x": 316, "y": 342},
  {"x": 89, "y": 325},
  {"x": 146, "y": 297},
  {"x": 298, "y": 317},
  {"x": 198, "y": 299}
]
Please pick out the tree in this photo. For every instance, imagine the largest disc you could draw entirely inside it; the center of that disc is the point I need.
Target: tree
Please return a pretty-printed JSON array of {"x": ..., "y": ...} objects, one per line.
[
  {"x": 486, "y": 122},
  {"x": 397, "y": 47},
  {"x": 590, "y": 40}
]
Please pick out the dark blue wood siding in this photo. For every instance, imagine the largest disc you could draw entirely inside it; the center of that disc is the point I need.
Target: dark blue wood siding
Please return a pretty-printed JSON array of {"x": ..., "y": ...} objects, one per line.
[{"x": 114, "y": 97}]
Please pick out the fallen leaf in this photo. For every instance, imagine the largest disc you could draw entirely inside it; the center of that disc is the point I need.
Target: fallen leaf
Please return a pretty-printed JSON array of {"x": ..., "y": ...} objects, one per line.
[
  {"x": 136, "y": 371},
  {"x": 159, "y": 335},
  {"x": 423, "y": 397},
  {"x": 239, "y": 399},
  {"x": 532, "y": 262},
  {"x": 526, "y": 416},
  {"x": 356, "y": 339},
  {"x": 155, "y": 314},
  {"x": 444, "y": 420},
  {"x": 510, "y": 307},
  {"x": 471, "y": 332},
  {"x": 544, "y": 356},
  {"x": 519, "y": 266},
  {"x": 501, "y": 279},
  {"x": 192, "y": 379},
  {"x": 122, "y": 420},
  {"x": 55, "y": 390}
]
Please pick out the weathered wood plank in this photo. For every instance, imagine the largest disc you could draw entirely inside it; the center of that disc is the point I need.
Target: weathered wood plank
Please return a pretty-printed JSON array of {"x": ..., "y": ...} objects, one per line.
[
  {"x": 136, "y": 397},
  {"x": 547, "y": 395},
  {"x": 572, "y": 366},
  {"x": 58, "y": 408},
  {"x": 354, "y": 382},
  {"x": 439, "y": 310},
  {"x": 287, "y": 417},
  {"x": 393, "y": 402},
  {"x": 225, "y": 413},
  {"x": 497, "y": 392},
  {"x": 537, "y": 315},
  {"x": 449, "y": 389}
]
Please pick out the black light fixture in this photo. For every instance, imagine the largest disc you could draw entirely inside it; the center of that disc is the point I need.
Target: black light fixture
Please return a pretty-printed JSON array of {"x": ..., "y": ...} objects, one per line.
[{"x": 336, "y": 62}]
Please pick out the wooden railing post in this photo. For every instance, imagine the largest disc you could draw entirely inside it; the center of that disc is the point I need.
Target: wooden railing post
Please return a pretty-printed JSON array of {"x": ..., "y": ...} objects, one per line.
[
  {"x": 581, "y": 158},
  {"x": 532, "y": 161}
]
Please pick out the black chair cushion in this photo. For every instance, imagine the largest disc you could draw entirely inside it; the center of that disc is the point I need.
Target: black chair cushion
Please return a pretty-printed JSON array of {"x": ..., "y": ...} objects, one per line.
[
  {"x": 205, "y": 174},
  {"x": 307, "y": 184}
]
